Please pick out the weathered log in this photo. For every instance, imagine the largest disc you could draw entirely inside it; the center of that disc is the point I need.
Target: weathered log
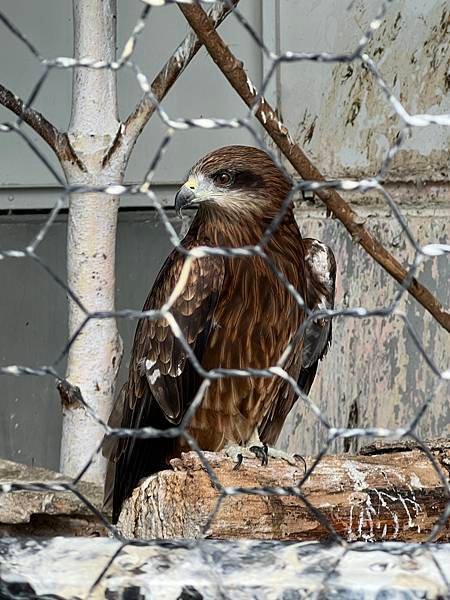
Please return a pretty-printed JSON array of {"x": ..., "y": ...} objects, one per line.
[
  {"x": 392, "y": 496},
  {"x": 45, "y": 512}
]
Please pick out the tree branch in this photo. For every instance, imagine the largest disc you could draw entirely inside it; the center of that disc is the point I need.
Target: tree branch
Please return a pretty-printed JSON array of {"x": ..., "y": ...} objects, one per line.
[
  {"x": 58, "y": 142},
  {"x": 234, "y": 71},
  {"x": 164, "y": 80}
]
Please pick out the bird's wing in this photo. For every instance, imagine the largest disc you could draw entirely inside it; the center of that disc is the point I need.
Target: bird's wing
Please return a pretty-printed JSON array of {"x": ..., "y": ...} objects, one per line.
[
  {"x": 162, "y": 381},
  {"x": 160, "y": 361},
  {"x": 319, "y": 291}
]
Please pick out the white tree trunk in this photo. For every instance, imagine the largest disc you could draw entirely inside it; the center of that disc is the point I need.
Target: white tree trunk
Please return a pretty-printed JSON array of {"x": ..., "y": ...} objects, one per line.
[
  {"x": 95, "y": 355},
  {"x": 94, "y": 94}
]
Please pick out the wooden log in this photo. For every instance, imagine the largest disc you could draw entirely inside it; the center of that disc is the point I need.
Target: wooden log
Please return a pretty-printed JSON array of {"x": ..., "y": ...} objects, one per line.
[{"x": 397, "y": 496}]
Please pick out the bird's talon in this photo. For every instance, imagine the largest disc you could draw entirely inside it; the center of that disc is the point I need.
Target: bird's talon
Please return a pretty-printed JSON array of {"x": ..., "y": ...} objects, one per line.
[
  {"x": 238, "y": 464},
  {"x": 258, "y": 451},
  {"x": 261, "y": 452},
  {"x": 300, "y": 457},
  {"x": 265, "y": 450}
]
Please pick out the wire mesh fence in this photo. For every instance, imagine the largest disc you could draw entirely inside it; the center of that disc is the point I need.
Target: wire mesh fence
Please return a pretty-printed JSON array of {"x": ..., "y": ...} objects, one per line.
[{"x": 176, "y": 126}]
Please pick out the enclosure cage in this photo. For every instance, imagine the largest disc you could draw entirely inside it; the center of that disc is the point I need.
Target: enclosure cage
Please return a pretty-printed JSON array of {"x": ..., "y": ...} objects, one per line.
[{"x": 104, "y": 108}]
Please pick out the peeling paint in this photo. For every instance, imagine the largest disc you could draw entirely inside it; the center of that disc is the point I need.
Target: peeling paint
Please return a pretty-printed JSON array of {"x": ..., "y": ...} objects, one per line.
[
  {"x": 376, "y": 360},
  {"x": 356, "y": 124}
]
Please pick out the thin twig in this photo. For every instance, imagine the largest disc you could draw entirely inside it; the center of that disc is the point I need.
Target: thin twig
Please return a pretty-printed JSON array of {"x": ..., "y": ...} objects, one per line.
[
  {"x": 58, "y": 142},
  {"x": 234, "y": 71},
  {"x": 164, "y": 81}
]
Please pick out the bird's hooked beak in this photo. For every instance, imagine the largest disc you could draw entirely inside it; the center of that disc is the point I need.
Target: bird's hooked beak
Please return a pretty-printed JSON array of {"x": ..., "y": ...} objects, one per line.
[{"x": 186, "y": 195}]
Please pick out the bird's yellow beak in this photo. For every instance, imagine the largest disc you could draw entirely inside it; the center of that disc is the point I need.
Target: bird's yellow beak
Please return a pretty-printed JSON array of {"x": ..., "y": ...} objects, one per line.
[
  {"x": 186, "y": 194},
  {"x": 191, "y": 183}
]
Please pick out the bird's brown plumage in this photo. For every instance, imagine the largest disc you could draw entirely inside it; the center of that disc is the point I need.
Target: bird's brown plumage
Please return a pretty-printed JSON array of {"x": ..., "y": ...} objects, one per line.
[{"x": 235, "y": 313}]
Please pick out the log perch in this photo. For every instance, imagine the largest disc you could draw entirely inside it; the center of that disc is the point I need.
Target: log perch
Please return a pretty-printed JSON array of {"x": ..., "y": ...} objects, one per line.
[{"x": 395, "y": 495}]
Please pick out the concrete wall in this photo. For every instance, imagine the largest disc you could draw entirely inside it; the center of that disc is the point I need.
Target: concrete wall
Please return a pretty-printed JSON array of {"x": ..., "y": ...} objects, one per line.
[
  {"x": 338, "y": 112},
  {"x": 373, "y": 374},
  {"x": 33, "y": 323},
  {"x": 339, "y": 115}
]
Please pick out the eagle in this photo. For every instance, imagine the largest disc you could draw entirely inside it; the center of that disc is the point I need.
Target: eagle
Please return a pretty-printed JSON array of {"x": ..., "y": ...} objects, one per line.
[{"x": 235, "y": 312}]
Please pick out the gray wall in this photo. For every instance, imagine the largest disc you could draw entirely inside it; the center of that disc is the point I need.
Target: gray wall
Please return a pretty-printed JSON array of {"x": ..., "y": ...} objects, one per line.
[
  {"x": 338, "y": 112},
  {"x": 202, "y": 91},
  {"x": 339, "y": 115},
  {"x": 374, "y": 376},
  {"x": 33, "y": 323},
  {"x": 373, "y": 370}
]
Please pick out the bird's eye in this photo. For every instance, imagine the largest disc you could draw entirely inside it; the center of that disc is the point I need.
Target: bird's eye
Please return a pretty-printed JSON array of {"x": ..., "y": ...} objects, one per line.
[{"x": 223, "y": 178}]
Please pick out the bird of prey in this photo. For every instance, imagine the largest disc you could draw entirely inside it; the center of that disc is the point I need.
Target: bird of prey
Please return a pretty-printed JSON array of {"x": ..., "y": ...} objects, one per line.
[{"x": 234, "y": 312}]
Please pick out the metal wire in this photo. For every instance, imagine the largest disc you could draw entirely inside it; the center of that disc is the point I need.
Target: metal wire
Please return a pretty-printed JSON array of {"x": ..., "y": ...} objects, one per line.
[{"x": 175, "y": 125}]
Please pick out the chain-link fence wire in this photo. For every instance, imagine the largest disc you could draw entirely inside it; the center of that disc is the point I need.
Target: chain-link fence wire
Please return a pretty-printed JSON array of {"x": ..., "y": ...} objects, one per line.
[{"x": 173, "y": 126}]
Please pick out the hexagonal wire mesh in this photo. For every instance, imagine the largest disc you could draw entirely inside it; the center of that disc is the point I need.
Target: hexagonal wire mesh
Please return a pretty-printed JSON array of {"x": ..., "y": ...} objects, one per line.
[{"x": 422, "y": 253}]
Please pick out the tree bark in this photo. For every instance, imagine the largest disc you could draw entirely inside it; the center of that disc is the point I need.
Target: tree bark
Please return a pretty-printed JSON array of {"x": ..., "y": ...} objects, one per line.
[
  {"x": 95, "y": 354},
  {"x": 393, "y": 496}
]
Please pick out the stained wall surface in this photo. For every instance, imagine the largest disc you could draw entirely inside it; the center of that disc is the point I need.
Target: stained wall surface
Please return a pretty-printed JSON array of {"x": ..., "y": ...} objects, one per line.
[{"x": 374, "y": 374}]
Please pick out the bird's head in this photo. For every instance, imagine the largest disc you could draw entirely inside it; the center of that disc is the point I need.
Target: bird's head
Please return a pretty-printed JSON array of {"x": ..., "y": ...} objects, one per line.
[{"x": 234, "y": 178}]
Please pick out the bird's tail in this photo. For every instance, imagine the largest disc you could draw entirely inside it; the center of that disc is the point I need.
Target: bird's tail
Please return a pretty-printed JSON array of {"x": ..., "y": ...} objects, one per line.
[{"x": 130, "y": 459}]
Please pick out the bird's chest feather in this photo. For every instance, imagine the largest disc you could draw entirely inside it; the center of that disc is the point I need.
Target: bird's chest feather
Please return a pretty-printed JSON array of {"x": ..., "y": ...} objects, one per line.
[
  {"x": 253, "y": 324},
  {"x": 255, "y": 319}
]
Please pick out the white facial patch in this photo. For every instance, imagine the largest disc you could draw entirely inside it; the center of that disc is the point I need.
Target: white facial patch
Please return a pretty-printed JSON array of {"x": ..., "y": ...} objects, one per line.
[
  {"x": 203, "y": 188},
  {"x": 229, "y": 198}
]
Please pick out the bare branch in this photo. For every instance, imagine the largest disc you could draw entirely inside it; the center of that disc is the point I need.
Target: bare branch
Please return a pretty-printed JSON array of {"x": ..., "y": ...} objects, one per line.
[
  {"x": 38, "y": 122},
  {"x": 58, "y": 142},
  {"x": 234, "y": 71},
  {"x": 164, "y": 80}
]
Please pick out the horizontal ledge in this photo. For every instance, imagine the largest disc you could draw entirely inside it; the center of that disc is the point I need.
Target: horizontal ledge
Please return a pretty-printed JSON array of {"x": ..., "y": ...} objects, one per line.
[
  {"x": 95, "y": 567},
  {"x": 427, "y": 197},
  {"x": 45, "y": 197}
]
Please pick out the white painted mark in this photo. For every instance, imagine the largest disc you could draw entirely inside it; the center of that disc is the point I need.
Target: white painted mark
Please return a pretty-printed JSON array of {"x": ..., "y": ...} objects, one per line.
[{"x": 355, "y": 474}]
